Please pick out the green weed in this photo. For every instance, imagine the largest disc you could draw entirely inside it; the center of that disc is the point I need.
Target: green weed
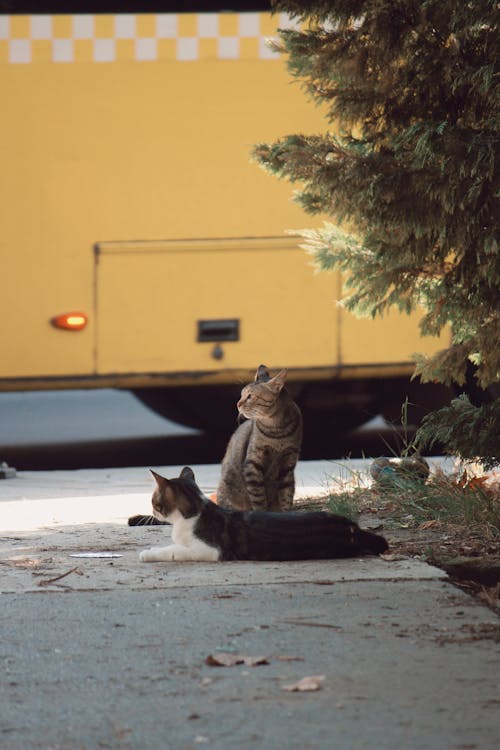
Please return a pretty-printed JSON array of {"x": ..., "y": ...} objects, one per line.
[{"x": 344, "y": 504}]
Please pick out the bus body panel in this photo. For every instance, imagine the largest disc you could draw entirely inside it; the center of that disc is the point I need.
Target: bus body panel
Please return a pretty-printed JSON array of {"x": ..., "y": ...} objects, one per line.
[
  {"x": 278, "y": 309},
  {"x": 138, "y": 134}
]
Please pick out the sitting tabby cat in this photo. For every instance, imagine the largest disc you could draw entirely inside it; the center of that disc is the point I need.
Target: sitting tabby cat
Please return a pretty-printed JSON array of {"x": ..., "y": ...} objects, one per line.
[
  {"x": 202, "y": 531},
  {"x": 257, "y": 471}
]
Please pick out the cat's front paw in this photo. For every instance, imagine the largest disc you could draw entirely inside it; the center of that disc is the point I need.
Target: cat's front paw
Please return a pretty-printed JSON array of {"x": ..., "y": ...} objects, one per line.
[
  {"x": 159, "y": 554},
  {"x": 146, "y": 555}
]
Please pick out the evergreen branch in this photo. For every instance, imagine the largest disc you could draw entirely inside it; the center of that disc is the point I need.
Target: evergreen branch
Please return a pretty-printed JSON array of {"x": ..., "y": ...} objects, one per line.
[
  {"x": 469, "y": 432},
  {"x": 413, "y": 90}
]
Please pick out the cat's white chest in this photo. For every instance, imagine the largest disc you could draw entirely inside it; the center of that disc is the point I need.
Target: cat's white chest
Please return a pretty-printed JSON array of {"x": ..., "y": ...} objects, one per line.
[
  {"x": 183, "y": 529},
  {"x": 186, "y": 545}
]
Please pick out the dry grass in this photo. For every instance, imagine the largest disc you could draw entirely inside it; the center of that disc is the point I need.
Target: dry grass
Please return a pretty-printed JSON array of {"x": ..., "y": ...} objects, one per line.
[
  {"x": 474, "y": 505},
  {"x": 442, "y": 519},
  {"x": 405, "y": 501}
]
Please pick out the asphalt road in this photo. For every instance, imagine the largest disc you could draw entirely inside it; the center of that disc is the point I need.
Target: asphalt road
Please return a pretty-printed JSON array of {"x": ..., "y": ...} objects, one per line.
[{"x": 102, "y": 428}]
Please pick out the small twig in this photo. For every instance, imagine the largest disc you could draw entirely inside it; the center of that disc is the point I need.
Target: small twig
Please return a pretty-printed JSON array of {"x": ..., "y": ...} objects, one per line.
[
  {"x": 58, "y": 578},
  {"x": 313, "y": 624}
]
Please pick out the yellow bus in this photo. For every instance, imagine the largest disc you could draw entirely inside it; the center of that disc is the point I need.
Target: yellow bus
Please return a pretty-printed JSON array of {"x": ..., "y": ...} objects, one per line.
[{"x": 141, "y": 248}]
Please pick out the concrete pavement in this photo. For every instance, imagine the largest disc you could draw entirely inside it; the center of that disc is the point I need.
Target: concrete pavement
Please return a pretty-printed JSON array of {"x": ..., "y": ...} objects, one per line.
[{"x": 107, "y": 652}]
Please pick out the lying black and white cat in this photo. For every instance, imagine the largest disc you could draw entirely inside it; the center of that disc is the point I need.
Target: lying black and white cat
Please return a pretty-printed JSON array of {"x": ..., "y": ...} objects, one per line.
[{"x": 202, "y": 531}]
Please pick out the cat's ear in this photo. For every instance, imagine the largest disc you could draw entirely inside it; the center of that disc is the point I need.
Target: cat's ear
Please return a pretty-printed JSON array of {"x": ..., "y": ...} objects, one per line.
[
  {"x": 262, "y": 375},
  {"x": 187, "y": 473},
  {"x": 278, "y": 382},
  {"x": 160, "y": 481}
]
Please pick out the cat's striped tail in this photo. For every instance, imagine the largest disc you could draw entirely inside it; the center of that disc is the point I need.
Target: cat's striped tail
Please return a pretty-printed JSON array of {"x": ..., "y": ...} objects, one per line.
[{"x": 145, "y": 521}]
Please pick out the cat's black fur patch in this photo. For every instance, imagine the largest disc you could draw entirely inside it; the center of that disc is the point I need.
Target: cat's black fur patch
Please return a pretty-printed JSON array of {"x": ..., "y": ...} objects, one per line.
[{"x": 258, "y": 535}]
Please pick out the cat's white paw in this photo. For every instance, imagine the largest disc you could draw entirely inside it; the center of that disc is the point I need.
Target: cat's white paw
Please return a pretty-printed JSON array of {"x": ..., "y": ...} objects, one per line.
[
  {"x": 178, "y": 552},
  {"x": 157, "y": 554}
]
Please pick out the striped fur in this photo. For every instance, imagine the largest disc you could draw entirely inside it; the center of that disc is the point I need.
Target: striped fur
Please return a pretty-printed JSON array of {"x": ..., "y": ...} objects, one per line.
[
  {"x": 145, "y": 521},
  {"x": 257, "y": 471}
]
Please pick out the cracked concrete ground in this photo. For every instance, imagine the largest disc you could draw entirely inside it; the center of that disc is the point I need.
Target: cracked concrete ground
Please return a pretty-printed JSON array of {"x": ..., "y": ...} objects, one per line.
[{"x": 107, "y": 652}]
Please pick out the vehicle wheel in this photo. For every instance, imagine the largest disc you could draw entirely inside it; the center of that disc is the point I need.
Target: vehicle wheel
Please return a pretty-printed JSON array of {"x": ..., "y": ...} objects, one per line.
[
  {"x": 422, "y": 399},
  {"x": 332, "y": 421},
  {"x": 325, "y": 407},
  {"x": 336, "y": 407},
  {"x": 208, "y": 408}
]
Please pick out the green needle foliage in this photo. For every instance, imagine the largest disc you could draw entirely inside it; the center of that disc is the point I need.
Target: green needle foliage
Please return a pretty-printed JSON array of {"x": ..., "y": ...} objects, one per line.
[
  {"x": 466, "y": 430},
  {"x": 408, "y": 162}
]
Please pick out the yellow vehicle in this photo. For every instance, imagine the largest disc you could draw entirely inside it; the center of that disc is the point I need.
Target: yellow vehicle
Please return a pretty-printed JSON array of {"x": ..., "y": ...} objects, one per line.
[{"x": 140, "y": 247}]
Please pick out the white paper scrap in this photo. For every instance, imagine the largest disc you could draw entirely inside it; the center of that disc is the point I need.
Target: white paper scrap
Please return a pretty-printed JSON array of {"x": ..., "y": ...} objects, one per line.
[{"x": 96, "y": 554}]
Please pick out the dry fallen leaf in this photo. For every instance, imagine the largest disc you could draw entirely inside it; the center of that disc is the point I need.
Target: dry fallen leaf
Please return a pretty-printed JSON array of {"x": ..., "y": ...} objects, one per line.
[
  {"x": 230, "y": 660},
  {"x": 313, "y": 682},
  {"x": 478, "y": 483},
  {"x": 430, "y": 524},
  {"x": 393, "y": 557}
]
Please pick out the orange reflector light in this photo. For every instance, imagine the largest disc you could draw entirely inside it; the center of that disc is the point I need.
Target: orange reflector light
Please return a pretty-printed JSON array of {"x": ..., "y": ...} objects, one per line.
[{"x": 73, "y": 321}]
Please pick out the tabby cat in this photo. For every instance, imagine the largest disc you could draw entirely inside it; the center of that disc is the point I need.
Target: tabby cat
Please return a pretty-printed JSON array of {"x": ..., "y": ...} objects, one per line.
[
  {"x": 202, "y": 531},
  {"x": 257, "y": 471}
]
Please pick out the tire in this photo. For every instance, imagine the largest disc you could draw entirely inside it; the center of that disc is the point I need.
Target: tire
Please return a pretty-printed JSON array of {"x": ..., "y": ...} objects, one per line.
[
  {"x": 208, "y": 408},
  {"x": 338, "y": 406},
  {"x": 422, "y": 399}
]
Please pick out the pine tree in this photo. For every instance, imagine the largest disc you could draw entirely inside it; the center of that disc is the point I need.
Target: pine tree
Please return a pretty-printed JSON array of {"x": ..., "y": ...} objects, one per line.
[{"x": 408, "y": 162}]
